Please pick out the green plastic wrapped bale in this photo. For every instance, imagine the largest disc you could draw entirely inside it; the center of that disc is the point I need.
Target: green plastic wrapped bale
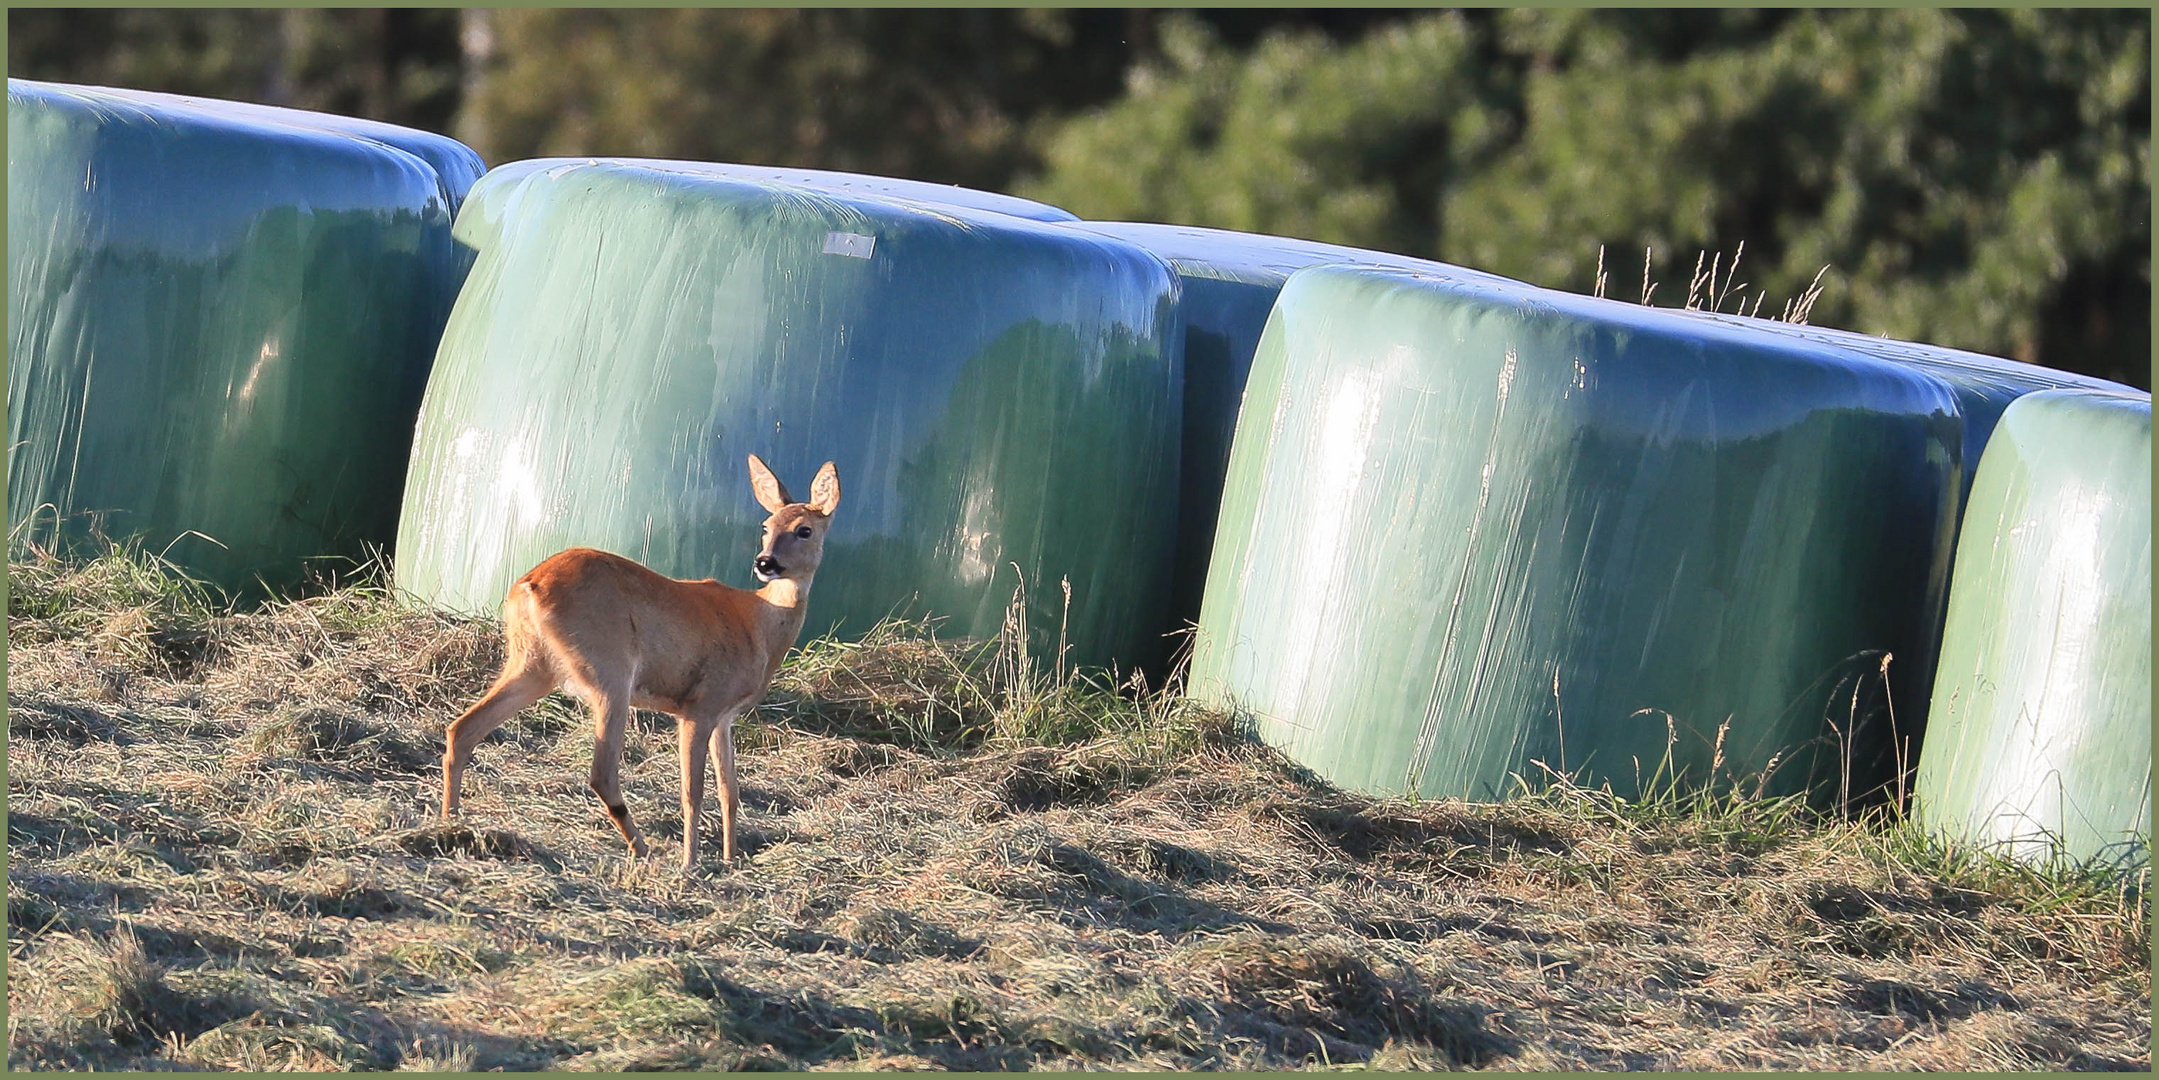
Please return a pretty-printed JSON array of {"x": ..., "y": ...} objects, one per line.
[
  {"x": 1229, "y": 281},
  {"x": 859, "y": 184},
  {"x": 1984, "y": 386},
  {"x": 2040, "y": 731},
  {"x": 1000, "y": 396},
  {"x": 220, "y": 322},
  {"x": 1470, "y": 530}
]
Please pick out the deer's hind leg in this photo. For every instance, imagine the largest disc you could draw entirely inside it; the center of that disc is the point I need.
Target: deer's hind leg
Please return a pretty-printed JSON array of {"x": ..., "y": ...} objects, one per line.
[{"x": 513, "y": 690}]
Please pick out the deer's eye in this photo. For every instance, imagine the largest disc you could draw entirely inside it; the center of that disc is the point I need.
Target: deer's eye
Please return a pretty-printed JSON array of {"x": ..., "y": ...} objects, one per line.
[{"x": 802, "y": 531}]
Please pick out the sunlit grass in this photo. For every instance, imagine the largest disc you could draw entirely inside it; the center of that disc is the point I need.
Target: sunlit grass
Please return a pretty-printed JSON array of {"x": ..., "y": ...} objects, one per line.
[{"x": 225, "y": 854}]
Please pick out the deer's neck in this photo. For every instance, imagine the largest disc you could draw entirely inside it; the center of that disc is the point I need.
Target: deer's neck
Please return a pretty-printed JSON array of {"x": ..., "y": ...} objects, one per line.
[
  {"x": 786, "y": 594},
  {"x": 787, "y": 603}
]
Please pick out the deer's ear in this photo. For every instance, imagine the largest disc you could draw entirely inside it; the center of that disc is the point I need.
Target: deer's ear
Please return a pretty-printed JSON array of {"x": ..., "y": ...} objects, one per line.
[
  {"x": 825, "y": 490},
  {"x": 771, "y": 494}
]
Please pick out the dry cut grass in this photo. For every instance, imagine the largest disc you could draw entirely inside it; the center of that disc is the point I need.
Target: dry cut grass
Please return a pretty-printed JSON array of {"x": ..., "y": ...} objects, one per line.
[{"x": 223, "y": 855}]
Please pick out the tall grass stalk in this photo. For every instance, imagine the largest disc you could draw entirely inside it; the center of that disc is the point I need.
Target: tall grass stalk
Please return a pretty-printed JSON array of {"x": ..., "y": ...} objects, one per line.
[{"x": 1711, "y": 285}]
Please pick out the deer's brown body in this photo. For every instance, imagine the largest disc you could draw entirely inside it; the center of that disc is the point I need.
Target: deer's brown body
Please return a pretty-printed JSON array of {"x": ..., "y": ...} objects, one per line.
[{"x": 619, "y": 636}]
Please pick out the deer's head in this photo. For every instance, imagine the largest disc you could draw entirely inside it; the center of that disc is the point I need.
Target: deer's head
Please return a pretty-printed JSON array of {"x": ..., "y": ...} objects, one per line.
[{"x": 795, "y": 533}]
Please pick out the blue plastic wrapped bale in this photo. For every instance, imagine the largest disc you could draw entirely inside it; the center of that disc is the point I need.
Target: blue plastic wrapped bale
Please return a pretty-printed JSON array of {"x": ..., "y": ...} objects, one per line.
[
  {"x": 221, "y": 318},
  {"x": 456, "y": 165},
  {"x": 1474, "y": 531},
  {"x": 1984, "y": 385},
  {"x": 2039, "y": 739},
  {"x": 1000, "y": 397},
  {"x": 1229, "y": 281},
  {"x": 921, "y": 191}
]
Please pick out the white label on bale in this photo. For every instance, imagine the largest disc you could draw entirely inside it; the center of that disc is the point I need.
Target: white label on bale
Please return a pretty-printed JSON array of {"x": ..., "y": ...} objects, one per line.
[{"x": 852, "y": 245}]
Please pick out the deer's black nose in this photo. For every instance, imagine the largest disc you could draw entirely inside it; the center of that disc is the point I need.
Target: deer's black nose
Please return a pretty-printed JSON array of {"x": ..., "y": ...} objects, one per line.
[{"x": 766, "y": 565}]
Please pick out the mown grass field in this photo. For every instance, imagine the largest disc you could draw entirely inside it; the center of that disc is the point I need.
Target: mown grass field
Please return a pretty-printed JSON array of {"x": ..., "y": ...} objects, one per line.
[{"x": 223, "y": 854}]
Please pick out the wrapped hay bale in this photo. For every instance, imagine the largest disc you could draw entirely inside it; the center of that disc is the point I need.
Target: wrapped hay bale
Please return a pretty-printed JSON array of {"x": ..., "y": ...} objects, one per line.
[
  {"x": 861, "y": 184},
  {"x": 1471, "y": 531},
  {"x": 1000, "y": 395},
  {"x": 1228, "y": 282},
  {"x": 221, "y": 318},
  {"x": 1984, "y": 385},
  {"x": 2039, "y": 737}
]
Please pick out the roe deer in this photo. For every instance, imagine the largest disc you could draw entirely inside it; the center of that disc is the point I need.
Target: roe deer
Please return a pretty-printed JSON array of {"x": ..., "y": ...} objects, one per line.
[{"x": 619, "y": 636}]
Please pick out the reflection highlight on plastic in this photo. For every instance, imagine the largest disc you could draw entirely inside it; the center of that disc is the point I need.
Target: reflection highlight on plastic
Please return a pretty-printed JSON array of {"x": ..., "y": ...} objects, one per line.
[
  {"x": 1228, "y": 284},
  {"x": 2041, "y": 734},
  {"x": 1569, "y": 519},
  {"x": 1001, "y": 394},
  {"x": 220, "y": 319},
  {"x": 1341, "y": 448}
]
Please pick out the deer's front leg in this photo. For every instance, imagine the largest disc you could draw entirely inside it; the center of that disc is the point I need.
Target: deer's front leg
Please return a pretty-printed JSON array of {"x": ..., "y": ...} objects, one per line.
[
  {"x": 723, "y": 749},
  {"x": 691, "y": 734}
]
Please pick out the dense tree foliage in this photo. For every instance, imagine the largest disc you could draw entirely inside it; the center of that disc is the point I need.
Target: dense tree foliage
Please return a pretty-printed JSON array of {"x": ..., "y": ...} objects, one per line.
[
  {"x": 1978, "y": 178},
  {"x": 878, "y": 91},
  {"x": 397, "y": 64},
  {"x": 946, "y": 96},
  {"x": 1975, "y": 178}
]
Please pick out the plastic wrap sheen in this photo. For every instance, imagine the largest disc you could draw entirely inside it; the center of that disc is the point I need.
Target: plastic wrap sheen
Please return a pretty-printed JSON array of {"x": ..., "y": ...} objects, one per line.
[
  {"x": 852, "y": 183},
  {"x": 1229, "y": 281},
  {"x": 1984, "y": 385},
  {"x": 2040, "y": 729},
  {"x": 1472, "y": 531},
  {"x": 1000, "y": 396},
  {"x": 456, "y": 165},
  {"x": 220, "y": 322}
]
